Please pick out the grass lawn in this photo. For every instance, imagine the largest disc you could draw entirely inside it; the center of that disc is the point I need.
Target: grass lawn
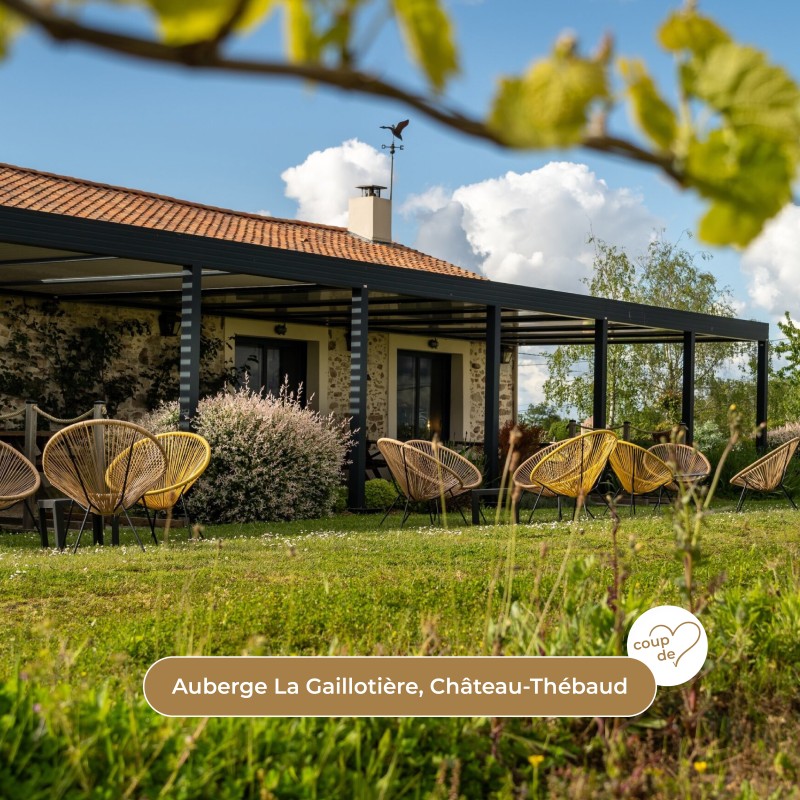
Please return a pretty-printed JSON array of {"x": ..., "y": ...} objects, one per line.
[{"x": 80, "y": 631}]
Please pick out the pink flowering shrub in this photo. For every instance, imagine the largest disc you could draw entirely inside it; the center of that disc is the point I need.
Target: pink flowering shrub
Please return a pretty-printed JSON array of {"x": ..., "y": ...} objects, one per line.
[{"x": 271, "y": 459}]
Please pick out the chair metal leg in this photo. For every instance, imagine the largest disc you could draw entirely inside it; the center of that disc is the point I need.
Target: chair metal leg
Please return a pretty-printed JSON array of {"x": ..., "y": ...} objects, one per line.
[
  {"x": 135, "y": 532},
  {"x": 80, "y": 532},
  {"x": 151, "y": 523},
  {"x": 406, "y": 512},
  {"x": 741, "y": 499},
  {"x": 788, "y": 497},
  {"x": 536, "y": 503},
  {"x": 388, "y": 510}
]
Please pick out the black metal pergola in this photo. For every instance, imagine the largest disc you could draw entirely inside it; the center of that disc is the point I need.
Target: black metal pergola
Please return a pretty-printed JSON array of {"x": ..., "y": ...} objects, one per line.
[{"x": 73, "y": 258}]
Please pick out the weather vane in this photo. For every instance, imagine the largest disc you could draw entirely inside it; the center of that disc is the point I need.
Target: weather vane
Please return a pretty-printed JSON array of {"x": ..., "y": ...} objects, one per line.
[{"x": 397, "y": 133}]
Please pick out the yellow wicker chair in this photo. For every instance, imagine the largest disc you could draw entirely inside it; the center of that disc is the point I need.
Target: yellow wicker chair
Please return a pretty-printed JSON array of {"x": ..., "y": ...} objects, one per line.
[
  {"x": 689, "y": 466},
  {"x": 19, "y": 479},
  {"x": 188, "y": 455},
  {"x": 418, "y": 476},
  {"x": 767, "y": 473},
  {"x": 96, "y": 464},
  {"x": 522, "y": 477},
  {"x": 639, "y": 471},
  {"x": 573, "y": 468}
]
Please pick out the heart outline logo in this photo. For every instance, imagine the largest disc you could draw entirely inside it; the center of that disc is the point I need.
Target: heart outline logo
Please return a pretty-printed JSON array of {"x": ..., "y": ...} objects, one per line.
[{"x": 674, "y": 633}]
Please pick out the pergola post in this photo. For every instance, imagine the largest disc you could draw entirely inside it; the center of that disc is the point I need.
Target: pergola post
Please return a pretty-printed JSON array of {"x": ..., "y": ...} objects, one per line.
[
  {"x": 687, "y": 399},
  {"x": 359, "y": 329},
  {"x": 491, "y": 414},
  {"x": 762, "y": 368},
  {"x": 191, "y": 320},
  {"x": 600, "y": 373}
]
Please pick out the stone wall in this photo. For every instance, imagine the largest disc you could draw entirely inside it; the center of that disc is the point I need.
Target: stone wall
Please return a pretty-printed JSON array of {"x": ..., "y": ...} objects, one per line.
[
  {"x": 141, "y": 350},
  {"x": 477, "y": 384}
]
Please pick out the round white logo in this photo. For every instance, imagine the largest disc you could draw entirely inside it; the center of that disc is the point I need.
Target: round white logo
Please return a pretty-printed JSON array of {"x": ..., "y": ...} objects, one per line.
[{"x": 671, "y": 641}]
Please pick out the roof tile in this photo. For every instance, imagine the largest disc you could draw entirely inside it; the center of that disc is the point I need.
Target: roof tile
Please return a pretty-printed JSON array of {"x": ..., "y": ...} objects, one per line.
[{"x": 56, "y": 194}]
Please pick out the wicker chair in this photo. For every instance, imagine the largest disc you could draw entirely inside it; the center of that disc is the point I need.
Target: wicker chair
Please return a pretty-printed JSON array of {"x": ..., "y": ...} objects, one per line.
[
  {"x": 419, "y": 477},
  {"x": 573, "y": 468},
  {"x": 96, "y": 464},
  {"x": 689, "y": 466},
  {"x": 188, "y": 456},
  {"x": 767, "y": 473},
  {"x": 639, "y": 471},
  {"x": 469, "y": 476},
  {"x": 19, "y": 479},
  {"x": 522, "y": 478}
]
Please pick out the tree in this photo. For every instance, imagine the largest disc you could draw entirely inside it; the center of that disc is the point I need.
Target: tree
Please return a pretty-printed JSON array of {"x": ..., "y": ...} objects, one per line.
[
  {"x": 733, "y": 136},
  {"x": 785, "y": 381},
  {"x": 645, "y": 381}
]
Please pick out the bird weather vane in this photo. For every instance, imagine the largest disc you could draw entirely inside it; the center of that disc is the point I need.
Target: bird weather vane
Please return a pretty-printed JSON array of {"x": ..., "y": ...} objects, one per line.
[{"x": 397, "y": 133}]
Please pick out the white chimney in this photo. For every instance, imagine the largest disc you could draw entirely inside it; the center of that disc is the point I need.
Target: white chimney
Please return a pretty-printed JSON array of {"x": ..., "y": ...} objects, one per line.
[{"x": 370, "y": 216}]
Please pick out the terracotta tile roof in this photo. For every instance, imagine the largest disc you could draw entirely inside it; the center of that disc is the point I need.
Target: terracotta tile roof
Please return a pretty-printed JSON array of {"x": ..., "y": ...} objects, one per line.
[{"x": 56, "y": 194}]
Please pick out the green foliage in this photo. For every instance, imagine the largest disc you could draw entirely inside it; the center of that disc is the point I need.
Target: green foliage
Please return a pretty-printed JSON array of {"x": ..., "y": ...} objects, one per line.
[
  {"x": 543, "y": 415},
  {"x": 73, "y": 722},
  {"x": 64, "y": 367},
  {"x": 379, "y": 493},
  {"x": 428, "y": 32},
  {"x": 733, "y": 137},
  {"x": 644, "y": 380},
  {"x": 787, "y": 386},
  {"x": 550, "y": 105},
  {"x": 182, "y": 23}
]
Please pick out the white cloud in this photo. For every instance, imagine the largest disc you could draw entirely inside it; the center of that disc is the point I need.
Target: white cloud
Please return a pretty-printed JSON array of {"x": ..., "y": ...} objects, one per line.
[
  {"x": 770, "y": 264},
  {"x": 532, "y": 373},
  {"x": 531, "y": 228},
  {"x": 324, "y": 182}
]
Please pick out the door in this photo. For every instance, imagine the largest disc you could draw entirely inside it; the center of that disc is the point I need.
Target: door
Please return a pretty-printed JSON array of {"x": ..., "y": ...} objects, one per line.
[
  {"x": 269, "y": 362},
  {"x": 423, "y": 395}
]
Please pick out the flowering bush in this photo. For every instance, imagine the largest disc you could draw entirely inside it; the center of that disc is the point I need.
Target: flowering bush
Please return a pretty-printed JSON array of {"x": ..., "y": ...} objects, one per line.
[
  {"x": 271, "y": 458},
  {"x": 779, "y": 436}
]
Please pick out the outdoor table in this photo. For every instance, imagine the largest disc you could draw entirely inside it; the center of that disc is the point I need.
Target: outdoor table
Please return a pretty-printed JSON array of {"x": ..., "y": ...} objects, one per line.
[{"x": 56, "y": 506}]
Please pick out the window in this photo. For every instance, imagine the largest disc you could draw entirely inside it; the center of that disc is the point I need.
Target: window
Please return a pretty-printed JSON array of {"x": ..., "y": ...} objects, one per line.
[
  {"x": 423, "y": 395},
  {"x": 269, "y": 361}
]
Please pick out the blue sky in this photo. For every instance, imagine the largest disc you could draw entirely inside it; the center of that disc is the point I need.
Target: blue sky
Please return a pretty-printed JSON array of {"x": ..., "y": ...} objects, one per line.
[{"x": 227, "y": 141}]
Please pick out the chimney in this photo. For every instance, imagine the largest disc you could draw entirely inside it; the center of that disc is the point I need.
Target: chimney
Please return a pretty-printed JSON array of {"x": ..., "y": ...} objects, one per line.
[{"x": 370, "y": 216}]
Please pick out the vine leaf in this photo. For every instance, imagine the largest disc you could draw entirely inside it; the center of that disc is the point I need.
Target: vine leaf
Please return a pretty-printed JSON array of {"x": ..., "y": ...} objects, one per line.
[
  {"x": 650, "y": 111},
  {"x": 428, "y": 33},
  {"x": 185, "y": 23},
  {"x": 550, "y": 105}
]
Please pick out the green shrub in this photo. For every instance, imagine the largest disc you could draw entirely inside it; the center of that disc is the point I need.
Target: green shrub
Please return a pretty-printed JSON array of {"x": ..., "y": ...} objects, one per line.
[
  {"x": 340, "y": 502},
  {"x": 271, "y": 458},
  {"x": 379, "y": 493}
]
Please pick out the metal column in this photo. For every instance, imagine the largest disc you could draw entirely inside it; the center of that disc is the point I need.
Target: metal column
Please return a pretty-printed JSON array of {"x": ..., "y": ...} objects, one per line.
[
  {"x": 491, "y": 415},
  {"x": 359, "y": 329},
  {"x": 762, "y": 369},
  {"x": 191, "y": 320},
  {"x": 687, "y": 399},
  {"x": 600, "y": 373}
]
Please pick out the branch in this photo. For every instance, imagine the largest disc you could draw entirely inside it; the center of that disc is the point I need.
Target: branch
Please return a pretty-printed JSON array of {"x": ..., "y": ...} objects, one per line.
[{"x": 205, "y": 55}]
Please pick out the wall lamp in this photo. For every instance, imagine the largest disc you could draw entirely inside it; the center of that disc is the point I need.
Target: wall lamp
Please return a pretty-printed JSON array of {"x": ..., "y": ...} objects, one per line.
[
  {"x": 280, "y": 329},
  {"x": 506, "y": 354},
  {"x": 433, "y": 344},
  {"x": 168, "y": 323}
]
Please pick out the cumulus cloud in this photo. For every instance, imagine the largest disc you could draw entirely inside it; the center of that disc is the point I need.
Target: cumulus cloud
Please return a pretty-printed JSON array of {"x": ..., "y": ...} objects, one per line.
[
  {"x": 324, "y": 182},
  {"x": 770, "y": 264},
  {"x": 531, "y": 228},
  {"x": 532, "y": 375}
]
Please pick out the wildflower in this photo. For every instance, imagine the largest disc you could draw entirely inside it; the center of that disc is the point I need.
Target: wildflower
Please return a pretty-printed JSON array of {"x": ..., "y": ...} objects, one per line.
[
  {"x": 535, "y": 760},
  {"x": 700, "y": 766}
]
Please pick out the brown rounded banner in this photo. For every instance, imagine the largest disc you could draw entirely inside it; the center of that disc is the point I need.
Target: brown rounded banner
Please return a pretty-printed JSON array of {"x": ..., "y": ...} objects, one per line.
[{"x": 401, "y": 686}]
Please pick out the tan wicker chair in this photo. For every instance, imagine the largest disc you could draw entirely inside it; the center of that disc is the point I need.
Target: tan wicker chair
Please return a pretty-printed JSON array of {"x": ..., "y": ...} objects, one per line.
[
  {"x": 639, "y": 471},
  {"x": 188, "y": 455},
  {"x": 418, "y": 476},
  {"x": 96, "y": 464},
  {"x": 689, "y": 466},
  {"x": 19, "y": 480},
  {"x": 573, "y": 468},
  {"x": 767, "y": 473},
  {"x": 522, "y": 478},
  {"x": 469, "y": 476}
]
